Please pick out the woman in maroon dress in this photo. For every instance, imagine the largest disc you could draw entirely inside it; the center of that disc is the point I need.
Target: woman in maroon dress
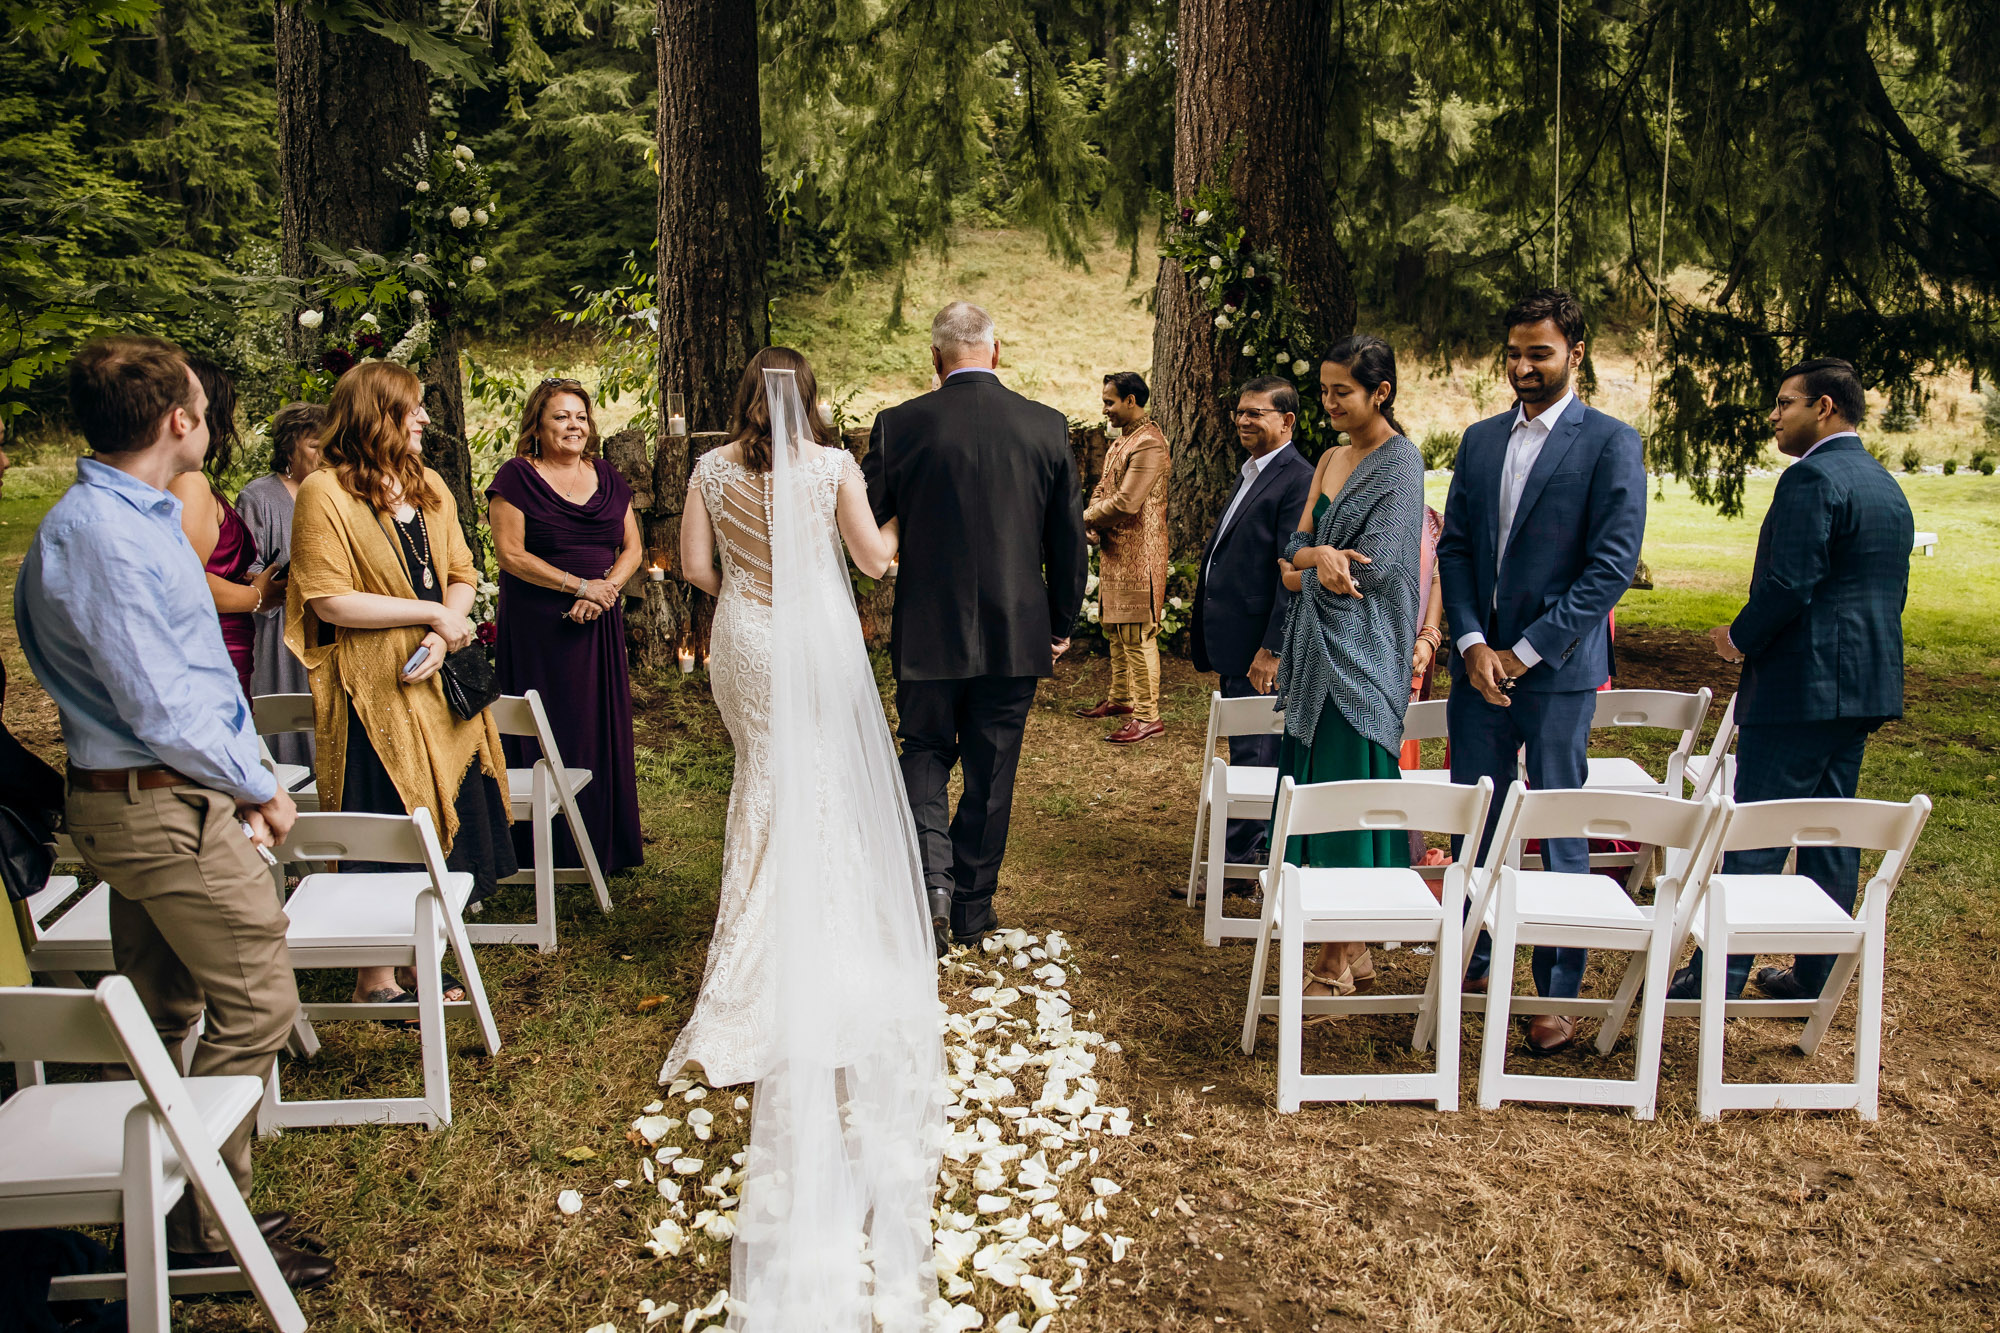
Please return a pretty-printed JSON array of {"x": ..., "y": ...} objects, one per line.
[
  {"x": 567, "y": 540},
  {"x": 219, "y": 536}
]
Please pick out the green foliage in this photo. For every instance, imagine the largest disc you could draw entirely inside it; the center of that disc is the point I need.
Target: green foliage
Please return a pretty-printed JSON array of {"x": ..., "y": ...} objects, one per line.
[
  {"x": 1989, "y": 411},
  {"x": 1951, "y": 467},
  {"x": 1440, "y": 449},
  {"x": 626, "y": 322},
  {"x": 1913, "y": 459}
]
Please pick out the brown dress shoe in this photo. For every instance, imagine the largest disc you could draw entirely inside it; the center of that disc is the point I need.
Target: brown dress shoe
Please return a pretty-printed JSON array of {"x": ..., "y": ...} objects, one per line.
[
  {"x": 1105, "y": 709},
  {"x": 1135, "y": 731},
  {"x": 302, "y": 1271},
  {"x": 1549, "y": 1033},
  {"x": 1474, "y": 985}
]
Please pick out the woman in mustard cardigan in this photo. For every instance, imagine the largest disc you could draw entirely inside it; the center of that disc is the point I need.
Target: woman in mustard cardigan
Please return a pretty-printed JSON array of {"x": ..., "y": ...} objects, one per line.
[{"x": 379, "y": 571}]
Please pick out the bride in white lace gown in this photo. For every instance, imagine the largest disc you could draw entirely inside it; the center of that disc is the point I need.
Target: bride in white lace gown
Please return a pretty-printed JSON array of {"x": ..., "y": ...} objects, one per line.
[{"x": 821, "y": 985}]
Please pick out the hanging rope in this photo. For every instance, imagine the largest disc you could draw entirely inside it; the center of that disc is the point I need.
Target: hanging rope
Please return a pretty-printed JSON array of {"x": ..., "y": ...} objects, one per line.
[
  {"x": 1660, "y": 257},
  {"x": 1555, "y": 263}
]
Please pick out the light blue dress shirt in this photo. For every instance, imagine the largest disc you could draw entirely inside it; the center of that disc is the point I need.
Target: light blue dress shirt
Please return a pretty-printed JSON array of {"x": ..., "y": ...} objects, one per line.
[{"x": 117, "y": 622}]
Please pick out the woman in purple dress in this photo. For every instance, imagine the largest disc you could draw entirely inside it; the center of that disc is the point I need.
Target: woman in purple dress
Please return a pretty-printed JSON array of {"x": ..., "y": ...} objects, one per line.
[
  {"x": 219, "y": 536},
  {"x": 567, "y": 540}
]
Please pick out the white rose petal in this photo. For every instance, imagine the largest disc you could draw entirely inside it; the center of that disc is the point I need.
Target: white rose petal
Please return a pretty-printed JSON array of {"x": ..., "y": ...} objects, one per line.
[
  {"x": 653, "y": 1128},
  {"x": 569, "y": 1203},
  {"x": 1118, "y": 1244},
  {"x": 1201, "y": 218},
  {"x": 1042, "y": 1293},
  {"x": 669, "y": 1238},
  {"x": 461, "y": 166},
  {"x": 994, "y": 1203},
  {"x": 602, "y": 1328},
  {"x": 1073, "y": 1237},
  {"x": 701, "y": 1115},
  {"x": 695, "y": 1094},
  {"x": 310, "y": 319},
  {"x": 461, "y": 216},
  {"x": 687, "y": 1166},
  {"x": 368, "y": 318},
  {"x": 742, "y": 1103}
]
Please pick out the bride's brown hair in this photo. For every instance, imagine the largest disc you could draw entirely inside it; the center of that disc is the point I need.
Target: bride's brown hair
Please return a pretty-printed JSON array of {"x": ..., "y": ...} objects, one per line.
[
  {"x": 366, "y": 440},
  {"x": 750, "y": 418}
]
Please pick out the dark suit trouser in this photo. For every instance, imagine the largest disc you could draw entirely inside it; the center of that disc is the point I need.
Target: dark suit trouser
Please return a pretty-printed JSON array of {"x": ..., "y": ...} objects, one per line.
[
  {"x": 1793, "y": 761},
  {"x": 1248, "y": 841},
  {"x": 1485, "y": 741},
  {"x": 977, "y": 723}
]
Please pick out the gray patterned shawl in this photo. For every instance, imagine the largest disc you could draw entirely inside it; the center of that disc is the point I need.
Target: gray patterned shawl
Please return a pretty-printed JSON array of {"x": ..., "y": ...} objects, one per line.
[{"x": 1358, "y": 652}]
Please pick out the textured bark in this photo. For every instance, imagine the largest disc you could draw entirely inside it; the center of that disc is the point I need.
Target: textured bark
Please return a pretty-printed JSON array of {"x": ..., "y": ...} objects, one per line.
[
  {"x": 712, "y": 303},
  {"x": 1252, "y": 89}
]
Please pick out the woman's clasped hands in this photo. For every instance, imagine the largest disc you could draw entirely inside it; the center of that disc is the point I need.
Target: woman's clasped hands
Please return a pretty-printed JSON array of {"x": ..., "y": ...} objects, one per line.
[{"x": 1335, "y": 569}]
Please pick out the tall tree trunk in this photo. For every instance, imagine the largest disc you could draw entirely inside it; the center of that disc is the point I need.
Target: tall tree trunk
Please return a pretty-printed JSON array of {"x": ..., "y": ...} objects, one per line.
[
  {"x": 712, "y": 306},
  {"x": 1252, "y": 90},
  {"x": 349, "y": 105}
]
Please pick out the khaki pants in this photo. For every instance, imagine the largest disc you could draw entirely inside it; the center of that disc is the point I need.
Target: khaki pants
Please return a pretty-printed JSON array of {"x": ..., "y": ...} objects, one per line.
[
  {"x": 1135, "y": 668},
  {"x": 196, "y": 926}
]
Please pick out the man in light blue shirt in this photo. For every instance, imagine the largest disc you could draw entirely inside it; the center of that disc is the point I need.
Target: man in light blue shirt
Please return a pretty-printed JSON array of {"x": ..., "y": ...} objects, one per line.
[{"x": 166, "y": 796}]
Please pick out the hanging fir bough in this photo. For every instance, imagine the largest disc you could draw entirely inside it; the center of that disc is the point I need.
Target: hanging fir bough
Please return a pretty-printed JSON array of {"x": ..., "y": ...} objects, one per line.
[{"x": 1258, "y": 319}]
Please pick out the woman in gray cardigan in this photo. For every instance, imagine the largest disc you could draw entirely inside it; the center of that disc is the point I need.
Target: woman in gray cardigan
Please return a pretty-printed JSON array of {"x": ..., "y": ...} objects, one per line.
[{"x": 1344, "y": 675}]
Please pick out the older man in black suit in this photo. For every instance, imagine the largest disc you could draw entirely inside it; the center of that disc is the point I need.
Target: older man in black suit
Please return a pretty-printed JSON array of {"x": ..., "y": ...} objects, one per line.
[
  {"x": 1240, "y": 597},
  {"x": 1820, "y": 639},
  {"x": 990, "y": 580}
]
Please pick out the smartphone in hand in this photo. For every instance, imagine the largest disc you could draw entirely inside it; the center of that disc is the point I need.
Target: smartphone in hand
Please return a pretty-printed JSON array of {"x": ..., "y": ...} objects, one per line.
[{"x": 416, "y": 660}]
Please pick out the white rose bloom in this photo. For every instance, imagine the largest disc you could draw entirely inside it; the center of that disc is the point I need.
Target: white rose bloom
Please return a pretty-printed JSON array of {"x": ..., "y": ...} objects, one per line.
[
  {"x": 423, "y": 187},
  {"x": 1300, "y": 367},
  {"x": 1222, "y": 321},
  {"x": 1206, "y": 282},
  {"x": 479, "y": 216},
  {"x": 462, "y": 153},
  {"x": 1215, "y": 262},
  {"x": 417, "y": 296},
  {"x": 1228, "y": 309},
  {"x": 461, "y": 216},
  {"x": 461, "y": 166},
  {"x": 478, "y": 264},
  {"x": 369, "y": 318},
  {"x": 420, "y": 259},
  {"x": 1249, "y": 270},
  {"x": 1201, "y": 218},
  {"x": 310, "y": 319},
  {"x": 1249, "y": 349}
]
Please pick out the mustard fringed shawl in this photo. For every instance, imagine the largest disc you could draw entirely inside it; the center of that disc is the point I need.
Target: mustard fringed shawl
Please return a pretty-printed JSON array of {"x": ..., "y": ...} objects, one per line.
[{"x": 340, "y": 545}]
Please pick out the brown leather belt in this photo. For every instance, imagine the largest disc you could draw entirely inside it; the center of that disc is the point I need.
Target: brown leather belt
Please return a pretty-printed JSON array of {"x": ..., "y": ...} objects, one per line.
[{"x": 119, "y": 779}]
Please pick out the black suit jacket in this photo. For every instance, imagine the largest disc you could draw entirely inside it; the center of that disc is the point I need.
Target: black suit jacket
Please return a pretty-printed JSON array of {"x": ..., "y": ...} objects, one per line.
[
  {"x": 1822, "y": 632},
  {"x": 985, "y": 485},
  {"x": 1239, "y": 598}
]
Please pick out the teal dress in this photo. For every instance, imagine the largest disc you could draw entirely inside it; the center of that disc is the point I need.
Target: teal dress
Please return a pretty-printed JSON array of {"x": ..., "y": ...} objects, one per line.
[{"x": 1339, "y": 753}]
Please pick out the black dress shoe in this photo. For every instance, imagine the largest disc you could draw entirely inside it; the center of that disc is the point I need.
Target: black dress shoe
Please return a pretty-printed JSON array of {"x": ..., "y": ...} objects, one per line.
[
  {"x": 1781, "y": 983},
  {"x": 302, "y": 1271},
  {"x": 1686, "y": 985},
  {"x": 272, "y": 1225}
]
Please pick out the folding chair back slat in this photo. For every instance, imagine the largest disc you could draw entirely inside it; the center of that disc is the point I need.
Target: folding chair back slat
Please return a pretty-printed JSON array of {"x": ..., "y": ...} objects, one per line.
[
  {"x": 278, "y": 714},
  {"x": 1660, "y": 821},
  {"x": 56, "y": 1027},
  {"x": 1664, "y": 710},
  {"x": 325, "y": 836},
  {"x": 1385, "y": 804},
  {"x": 1257, "y": 715},
  {"x": 1425, "y": 720},
  {"x": 1876, "y": 826}
]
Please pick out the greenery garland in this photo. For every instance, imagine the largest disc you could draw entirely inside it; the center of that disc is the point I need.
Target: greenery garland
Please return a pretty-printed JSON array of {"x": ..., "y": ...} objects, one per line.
[{"x": 1259, "y": 322}]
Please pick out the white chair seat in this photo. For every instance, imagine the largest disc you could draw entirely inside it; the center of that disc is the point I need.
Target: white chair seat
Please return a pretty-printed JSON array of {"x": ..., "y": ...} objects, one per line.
[
  {"x": 86, "y": 925},
  {"x": 1365, "y": 894},
  {"x": 1551, "y": 898},
  {"x": 87, "y": 1120},
  {"x": 363, "y": 911},
  {"x": 1792, "y": 904},
  {"x": 521, "y": 787},
  {"x": 1248, "y": 782},
  {"x": 1616, "y": 773}
]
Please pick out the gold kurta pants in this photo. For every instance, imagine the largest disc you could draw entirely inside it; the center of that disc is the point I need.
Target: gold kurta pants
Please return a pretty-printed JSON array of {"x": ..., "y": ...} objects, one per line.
[{"x": 1135, "y": 668}]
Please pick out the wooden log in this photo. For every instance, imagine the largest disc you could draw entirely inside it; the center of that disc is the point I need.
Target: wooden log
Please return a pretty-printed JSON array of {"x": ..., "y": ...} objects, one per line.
[{"x": 626, "y": 451}]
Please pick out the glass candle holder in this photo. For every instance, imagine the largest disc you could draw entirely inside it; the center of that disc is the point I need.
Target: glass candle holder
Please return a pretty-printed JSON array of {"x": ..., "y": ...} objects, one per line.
[{"x": 677, "y": 423}]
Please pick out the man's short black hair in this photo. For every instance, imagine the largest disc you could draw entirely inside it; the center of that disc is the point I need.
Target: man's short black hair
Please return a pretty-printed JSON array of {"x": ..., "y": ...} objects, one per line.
[
  {"x": 1129, "y": 384},
  {"x": 1283, "y": 396},
  {"x": 1554, "y": 303},
  {"x": 1830, "y": 377}
]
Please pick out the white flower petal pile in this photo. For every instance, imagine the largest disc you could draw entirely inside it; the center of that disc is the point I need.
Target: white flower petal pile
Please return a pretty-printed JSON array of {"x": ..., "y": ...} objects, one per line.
[{"x": 1017, "y": 1221}]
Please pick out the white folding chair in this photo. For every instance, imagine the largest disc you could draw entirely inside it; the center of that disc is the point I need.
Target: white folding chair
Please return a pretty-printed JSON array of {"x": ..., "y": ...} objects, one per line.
[
  {"x": 1316, "y": 905},
  {"x": 1425, "y": 721},
  {"x": 380, "y": 919},
  {"x": 1229, "y": 792},
  {"x": 1716, "y": 770},
  {"x": 111, "y": 1153},
  {"x": 60, "y": 944},
  {"x": 1789, "y": 913},
  {"x": 1582, "y": 911},
  {"x": 278, "y": 715},
  {"x": 536, "y": 794}
]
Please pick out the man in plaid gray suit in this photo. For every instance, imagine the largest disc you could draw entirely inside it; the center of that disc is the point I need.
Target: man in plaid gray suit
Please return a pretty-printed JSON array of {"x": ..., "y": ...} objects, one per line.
[{"x": 1820, "y": 640}]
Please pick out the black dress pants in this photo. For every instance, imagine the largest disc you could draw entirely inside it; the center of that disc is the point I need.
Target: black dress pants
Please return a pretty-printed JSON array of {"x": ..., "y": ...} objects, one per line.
[{"x": 976, "y": 723}]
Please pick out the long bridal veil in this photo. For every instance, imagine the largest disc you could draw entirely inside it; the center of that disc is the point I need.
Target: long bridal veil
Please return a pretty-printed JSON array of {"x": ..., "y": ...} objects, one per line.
[{"x": 834, "y": 1227}]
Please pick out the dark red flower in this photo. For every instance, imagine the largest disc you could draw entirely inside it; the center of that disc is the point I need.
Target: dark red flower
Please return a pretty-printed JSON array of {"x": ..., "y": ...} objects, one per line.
[
  {"x": 1234, "y": 295},
  {"x": 488, "y": 632},
  {"x": 1187, "y": 216},
  {"x": 374, "y": 344},
  {"x": 336, "y": 361}
]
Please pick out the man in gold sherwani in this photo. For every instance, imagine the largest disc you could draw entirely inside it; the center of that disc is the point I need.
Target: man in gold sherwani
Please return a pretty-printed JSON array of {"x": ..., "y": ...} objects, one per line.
[{"x": 1127, "y": 519}]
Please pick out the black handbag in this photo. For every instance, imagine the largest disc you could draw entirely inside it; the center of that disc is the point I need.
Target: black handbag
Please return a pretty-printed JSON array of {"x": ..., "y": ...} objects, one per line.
[
  {"x": 27, "y": 852},
  {"x": 470, "y": 686}
]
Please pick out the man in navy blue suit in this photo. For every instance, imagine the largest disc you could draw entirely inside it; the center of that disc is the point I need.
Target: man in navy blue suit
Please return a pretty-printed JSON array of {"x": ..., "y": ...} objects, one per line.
[
  {"x": 1820, "y": 640},
  {"x": 1542, "y": 530},
  {"x": 1240, "y": 597}
]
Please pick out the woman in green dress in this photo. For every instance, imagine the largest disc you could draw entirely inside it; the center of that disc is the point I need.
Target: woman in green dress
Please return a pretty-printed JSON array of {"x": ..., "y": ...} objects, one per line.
[{"x": 1344, "y": 674}]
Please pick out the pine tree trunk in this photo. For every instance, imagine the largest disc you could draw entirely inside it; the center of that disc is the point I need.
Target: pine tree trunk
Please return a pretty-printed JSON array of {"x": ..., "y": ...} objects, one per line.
[
  {"x": 712, "y": 210},
  {"x": 348, "y": 106},
  {"x": 1251, "y": 89}
]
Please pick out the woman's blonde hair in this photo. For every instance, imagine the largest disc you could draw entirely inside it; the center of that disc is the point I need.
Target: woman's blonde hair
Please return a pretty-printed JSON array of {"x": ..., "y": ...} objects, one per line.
[
  {"x": 529, "y": 443},
  {"x": 750, "y": 421},
  {"x": 366, "y": 440}
]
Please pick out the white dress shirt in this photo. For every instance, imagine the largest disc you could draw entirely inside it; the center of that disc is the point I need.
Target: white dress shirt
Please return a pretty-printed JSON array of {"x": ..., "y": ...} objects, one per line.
[
  {"x": 1253, "y": 468},
  {"x": 1524, "y": 446}
]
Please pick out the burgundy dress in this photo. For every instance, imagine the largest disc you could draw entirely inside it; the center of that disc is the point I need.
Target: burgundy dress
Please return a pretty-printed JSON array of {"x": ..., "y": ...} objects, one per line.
[
  {"x": 235, "y": 551},
  {"x": 580, "y": 670}
]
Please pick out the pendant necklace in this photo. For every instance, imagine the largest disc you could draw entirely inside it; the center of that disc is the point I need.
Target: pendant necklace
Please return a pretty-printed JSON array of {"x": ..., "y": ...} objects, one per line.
[{"x": 423, "y": 543}]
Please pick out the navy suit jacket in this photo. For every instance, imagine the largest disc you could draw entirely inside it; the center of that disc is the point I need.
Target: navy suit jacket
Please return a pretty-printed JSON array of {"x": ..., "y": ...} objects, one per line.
[
  {"x": 1822, "y": 633},
  {"x": 1570, "y": 556},
  {"x": 1239, "y": 598}
]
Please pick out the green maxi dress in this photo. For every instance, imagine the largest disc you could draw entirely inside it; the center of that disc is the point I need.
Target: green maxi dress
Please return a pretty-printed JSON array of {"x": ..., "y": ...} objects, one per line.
[{"x": 1339, "y": 753}]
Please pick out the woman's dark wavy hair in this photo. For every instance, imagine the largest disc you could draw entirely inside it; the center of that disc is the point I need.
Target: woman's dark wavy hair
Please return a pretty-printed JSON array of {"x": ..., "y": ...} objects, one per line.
[
  {"x": 1372, "y": 362},
  {"x": 221, "y": 391},
  {"x": 294, "y": 422},
  {"x": 750, "y": 418}
]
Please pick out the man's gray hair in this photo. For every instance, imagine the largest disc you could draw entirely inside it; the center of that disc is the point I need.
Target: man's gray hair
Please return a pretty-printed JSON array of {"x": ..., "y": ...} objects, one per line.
[{"x": 961, "y": 326}]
